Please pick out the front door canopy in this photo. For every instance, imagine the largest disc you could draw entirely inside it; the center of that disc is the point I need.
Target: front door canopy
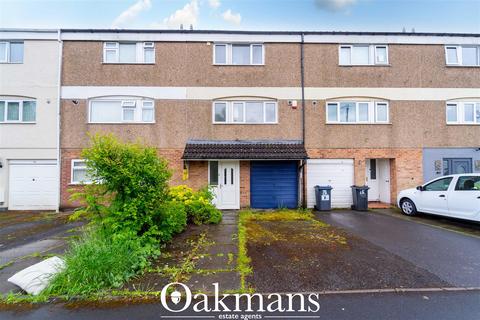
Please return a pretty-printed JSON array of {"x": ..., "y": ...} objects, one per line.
[{"x": 244, "y": 150}]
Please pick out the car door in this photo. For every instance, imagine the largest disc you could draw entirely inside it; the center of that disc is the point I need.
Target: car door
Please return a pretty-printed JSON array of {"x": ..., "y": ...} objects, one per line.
[
  {"x": 464, "y": 199},
  {"x": 433, "y": 197}
]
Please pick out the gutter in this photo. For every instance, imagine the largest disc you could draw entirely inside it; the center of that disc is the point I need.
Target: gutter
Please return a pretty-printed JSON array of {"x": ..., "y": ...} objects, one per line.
[{"x": 59, "y": 92}]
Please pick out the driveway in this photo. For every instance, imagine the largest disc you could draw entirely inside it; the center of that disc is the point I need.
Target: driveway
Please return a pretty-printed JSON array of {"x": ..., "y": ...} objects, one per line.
[
  {"x": 451, "y": 255},
  {"x": 29, "y": 237}
]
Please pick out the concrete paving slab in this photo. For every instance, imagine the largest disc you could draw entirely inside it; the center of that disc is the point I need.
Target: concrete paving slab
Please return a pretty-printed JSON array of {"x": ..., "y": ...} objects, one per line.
[{"x": 228, "y": 281}]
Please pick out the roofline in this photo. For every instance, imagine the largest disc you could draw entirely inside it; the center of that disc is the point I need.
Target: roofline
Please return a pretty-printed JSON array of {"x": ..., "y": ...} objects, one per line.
[
  {"x": 29, "y": 30},
  {"x": 266, "y": 32}
]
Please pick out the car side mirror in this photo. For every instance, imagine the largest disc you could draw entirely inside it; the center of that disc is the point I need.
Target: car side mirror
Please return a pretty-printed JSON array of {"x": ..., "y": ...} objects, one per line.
[{"x": 420, "y": 188}]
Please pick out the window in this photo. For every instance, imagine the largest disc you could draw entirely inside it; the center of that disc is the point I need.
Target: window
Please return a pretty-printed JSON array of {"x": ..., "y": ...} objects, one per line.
[
  {"x": 373, "y": 169},
  {"x": 238, "y": 54},
  {"x": 351, "y": 112},
  {"x": 11, "y": 52},
  {"x": 468, "y": 183},
  {"x": 79, "y": 172},
  {"x": 129, "y": 52},
  {"x": 463, "y": 55},
  {"x": 121, "y": 110},
  {"x": 245, "y": 112},
  {"x": 213, "y": 173},
  {"x": 363, "y": 54},
  {"x": 463, "y": 112},
  {"x": 19, "y": 111},
  {"x": 438, "y": 185}
]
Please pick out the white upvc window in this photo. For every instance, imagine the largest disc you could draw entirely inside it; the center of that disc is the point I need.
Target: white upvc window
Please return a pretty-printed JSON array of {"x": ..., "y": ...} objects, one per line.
[
  {"x": 121, "y": 110},
  {"x": 18, "y": 111},
  {"x": 79, "y": 172},
  {"x": 238, "y": 54},
  {"x": 362, "y": 55},
  {"x": 245, "y": 112},
  {"x": 129, "y": 52},
  {"x": 357, "y": 112},
  {"x": 11, "y": 52},
  {"x": 465, "y": 55},
  {"x": 467, "y": 112}
]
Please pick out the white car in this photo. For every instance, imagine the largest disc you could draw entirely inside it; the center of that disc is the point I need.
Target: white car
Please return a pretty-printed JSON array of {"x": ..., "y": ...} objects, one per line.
[{"x": 456, "y": 195}]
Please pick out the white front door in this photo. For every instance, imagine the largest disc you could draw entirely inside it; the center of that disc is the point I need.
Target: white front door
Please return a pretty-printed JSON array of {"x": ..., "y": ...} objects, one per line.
[
  {"x": 227, "y": 191},
  {"x": 384, "y": 180},
  {"x": 371, "y": 179},
  {"x": 32, "y": 185}
]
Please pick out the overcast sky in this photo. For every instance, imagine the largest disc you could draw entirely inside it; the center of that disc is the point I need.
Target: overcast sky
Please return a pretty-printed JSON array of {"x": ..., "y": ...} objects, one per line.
[{"x": 336, "y": 15}]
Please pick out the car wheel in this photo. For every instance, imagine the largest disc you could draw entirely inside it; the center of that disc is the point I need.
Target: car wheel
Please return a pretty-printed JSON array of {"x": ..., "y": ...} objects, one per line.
[{"x": 408, "y": 207}]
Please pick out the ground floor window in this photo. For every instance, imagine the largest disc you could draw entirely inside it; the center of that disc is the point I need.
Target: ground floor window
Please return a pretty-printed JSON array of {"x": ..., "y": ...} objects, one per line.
[
  {"x": 213, "y": 173},
  {"x": 457, "y": 165}
]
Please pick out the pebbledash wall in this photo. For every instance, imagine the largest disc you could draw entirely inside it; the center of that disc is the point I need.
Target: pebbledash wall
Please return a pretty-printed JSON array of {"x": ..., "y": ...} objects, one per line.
[{"x": 184, "y": 82}]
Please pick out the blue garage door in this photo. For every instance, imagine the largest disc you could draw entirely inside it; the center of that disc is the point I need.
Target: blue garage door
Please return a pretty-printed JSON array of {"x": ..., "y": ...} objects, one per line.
[{"x": 273, "y": 184}]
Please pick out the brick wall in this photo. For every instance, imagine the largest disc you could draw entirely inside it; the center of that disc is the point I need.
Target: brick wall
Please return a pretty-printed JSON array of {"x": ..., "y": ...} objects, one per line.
[
  {"x": 405, "y": 165},
  {"x": 244, "y": 184}
]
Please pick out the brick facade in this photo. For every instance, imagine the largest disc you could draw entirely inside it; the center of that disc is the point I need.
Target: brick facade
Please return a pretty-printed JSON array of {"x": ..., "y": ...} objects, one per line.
[{"x": 244, "y": 184}]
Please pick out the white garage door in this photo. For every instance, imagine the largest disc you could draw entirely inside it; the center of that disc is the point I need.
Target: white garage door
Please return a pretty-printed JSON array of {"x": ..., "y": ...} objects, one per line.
[
  {"x": 337, "y": 173},
  {"x": 32, "y": 185}
]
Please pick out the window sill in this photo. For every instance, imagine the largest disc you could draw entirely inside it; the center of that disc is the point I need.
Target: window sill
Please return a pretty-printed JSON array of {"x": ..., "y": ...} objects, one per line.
[
  {"x": 244, "y": 123},
  {"x": 360, "y": 123},
  {"x": 11, "y": 62},
  {"x": 129, "y": 63},
  {"x": 463, "y": 124},
  {"x": 364, "y": 65},
  {"x": 20, "y": 122},
  {"x": 117, "y": 123},
  {"x": 460, "y": 66},
  {"x": 238, "y": 65}
]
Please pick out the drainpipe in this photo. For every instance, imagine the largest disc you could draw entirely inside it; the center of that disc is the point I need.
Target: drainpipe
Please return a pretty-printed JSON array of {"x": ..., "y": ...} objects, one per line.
[
  {"x": 302, "y": 80},
  {"x": 59, "y": 93}
]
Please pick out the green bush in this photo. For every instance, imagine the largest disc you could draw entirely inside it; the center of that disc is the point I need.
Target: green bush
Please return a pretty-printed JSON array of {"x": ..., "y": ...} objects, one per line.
[
  {"x": 100, "y": 260},
  {"x": 198, "y": 204},
  {"x": 172, "y": 220}
]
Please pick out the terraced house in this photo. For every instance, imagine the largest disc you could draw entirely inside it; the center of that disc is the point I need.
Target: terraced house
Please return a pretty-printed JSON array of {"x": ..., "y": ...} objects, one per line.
[
  {"x": 29, "y": 104},
  {"x": 263, "y": 117}
]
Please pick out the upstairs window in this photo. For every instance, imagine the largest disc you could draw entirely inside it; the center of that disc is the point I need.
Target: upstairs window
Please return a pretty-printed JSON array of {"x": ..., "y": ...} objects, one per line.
[
  {"x": 121, "y": 110},
  {"x": 463, "y": 112},
  {"x": 11, "y": 52},
  {"x": 238, "y": 54},
  {"x": 468, "y": 56},
  {"x": 363, "y": 55},
  {"x": 18, "y": 111},
  {"x": 129, "y": 52},
  {"x": 354, "y": 112},
  {"x": 245, "y": 112}
]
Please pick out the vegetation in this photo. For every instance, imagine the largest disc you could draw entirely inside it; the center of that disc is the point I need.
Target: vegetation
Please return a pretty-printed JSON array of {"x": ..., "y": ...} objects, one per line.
[
  {"x": 198, "y": 205},
  {"x": 133, "y": 213}
]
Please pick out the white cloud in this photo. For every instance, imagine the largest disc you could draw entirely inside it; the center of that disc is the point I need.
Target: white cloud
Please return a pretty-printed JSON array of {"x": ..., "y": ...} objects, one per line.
[
  {"x": 130, "y": 14},
  {"x": 214, "y": 3},
  {"x": 231, "y": 17},
  {"x": 187, "y": 16},
  {"x": 334, "y": 5}
]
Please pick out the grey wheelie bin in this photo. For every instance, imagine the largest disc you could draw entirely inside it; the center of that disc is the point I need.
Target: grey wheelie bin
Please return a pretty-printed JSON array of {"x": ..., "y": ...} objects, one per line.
[
  {"x": 323, "y": 197},
  {"x": 360, "y": 198}
]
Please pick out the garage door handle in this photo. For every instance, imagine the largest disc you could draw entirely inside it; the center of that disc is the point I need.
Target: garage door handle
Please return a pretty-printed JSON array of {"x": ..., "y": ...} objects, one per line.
[{"x": 442, "y": 196}]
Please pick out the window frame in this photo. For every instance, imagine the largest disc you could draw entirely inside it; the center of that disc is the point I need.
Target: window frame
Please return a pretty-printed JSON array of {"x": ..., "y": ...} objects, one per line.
[
  {"x": 229, "y": 53},
  {"x": 20, "y": 111},
  {"x": 372, "y": 112},
  {"x": 460, "y": 106},
  {"x": 72, "y": 169},
  {"x": 372, "y": 54},
  {"x": 140, "y": 48},
  {"x": 123, "y": 101},
  {"x": 459, "y": 53},
  {"x": 229, "y": 112},
  {"x": 8, "y": 52}
]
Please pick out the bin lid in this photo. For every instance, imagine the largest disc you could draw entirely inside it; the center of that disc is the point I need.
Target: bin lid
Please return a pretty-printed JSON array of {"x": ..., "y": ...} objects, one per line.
[
  {"x": 360, "y": 187},
  {"x": 324, "y": 187}
]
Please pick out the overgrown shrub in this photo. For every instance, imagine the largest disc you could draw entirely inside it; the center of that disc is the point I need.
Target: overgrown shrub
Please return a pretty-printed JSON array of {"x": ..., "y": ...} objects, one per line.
[
  {"x": 100, "y": 260},
  {"x": 172, "y": 220},
  {"x": 198, "y": 204}
]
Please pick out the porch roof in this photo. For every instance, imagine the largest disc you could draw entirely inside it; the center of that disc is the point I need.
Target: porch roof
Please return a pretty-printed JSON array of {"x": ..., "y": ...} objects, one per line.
[{"x": 244, "y": 150}]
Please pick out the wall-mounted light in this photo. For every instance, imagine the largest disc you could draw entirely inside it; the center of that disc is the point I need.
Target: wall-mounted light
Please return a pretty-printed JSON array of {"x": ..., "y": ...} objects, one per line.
[
  {"x": 1, "y": 164},
  {"x": 75, "y": 102}
]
